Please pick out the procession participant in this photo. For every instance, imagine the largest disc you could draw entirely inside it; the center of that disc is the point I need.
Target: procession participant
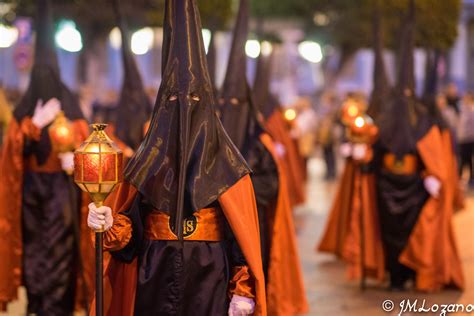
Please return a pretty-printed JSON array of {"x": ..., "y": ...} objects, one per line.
[
  {"x": 5, "y": 115},
  {"x": 413, "y": 187},
  {"x": 183, "y": 229},
  {"x": 277, "y": 127},
  {"x": 39, "y": 204},
  {"x": 134, "y": 107},
  {"x": 242, "y": 122}
]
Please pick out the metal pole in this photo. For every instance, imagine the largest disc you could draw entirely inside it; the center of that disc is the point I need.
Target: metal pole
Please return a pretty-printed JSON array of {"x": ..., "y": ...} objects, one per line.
[{"x": 99, "y": 267}]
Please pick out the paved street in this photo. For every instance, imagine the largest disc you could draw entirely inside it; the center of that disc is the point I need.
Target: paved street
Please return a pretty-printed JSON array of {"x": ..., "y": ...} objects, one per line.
[{"x": 328, "y": 291}]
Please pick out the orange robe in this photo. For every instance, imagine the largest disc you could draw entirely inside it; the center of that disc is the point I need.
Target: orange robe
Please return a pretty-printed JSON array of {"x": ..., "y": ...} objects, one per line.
[
  {"x": 284, "y": 270},
  {"x": 431, "y": 250},
  {"x": 238, "y": 205},
  {"x": 12, "y": 166},
  {"x": 293, "y": 162}
]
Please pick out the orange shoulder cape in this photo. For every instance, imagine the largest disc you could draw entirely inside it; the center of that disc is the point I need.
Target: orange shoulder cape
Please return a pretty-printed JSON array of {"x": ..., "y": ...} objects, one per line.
[
  {"x": 293, "y": 162},
  {"x": 284, "y": 270},
  {"x": 431, "y": 250},
  {"x": 238, "y": 205}
]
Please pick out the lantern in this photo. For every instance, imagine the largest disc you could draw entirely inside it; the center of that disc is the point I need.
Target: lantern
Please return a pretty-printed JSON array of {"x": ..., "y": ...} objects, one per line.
[
  {"x": 362, "y": 129},
  {"x": 289, "y": 114},
  {"x": 98, "y": 165},
  {"x": 97, "y": 170},
  {"x": 61, "y": 134},
  {"x": 349, "y": 112}
]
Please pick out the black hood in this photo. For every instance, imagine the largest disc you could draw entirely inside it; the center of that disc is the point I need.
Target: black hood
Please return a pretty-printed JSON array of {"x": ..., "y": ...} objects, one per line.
[
  {"x": 186, "y": 160},
  {"x": 134, "y": 107}
]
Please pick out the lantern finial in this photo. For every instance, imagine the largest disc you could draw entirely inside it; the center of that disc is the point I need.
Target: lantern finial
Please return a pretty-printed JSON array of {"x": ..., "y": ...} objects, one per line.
[{"x": 97, "y": 127}]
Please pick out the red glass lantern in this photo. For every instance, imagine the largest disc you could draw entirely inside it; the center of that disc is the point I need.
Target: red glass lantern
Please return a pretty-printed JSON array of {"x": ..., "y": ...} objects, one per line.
[
  {"x": 98, "y": 165},
  {"x": 362, "y": 129},
  {"x": 61, "y": 134},
  {"x": 350, "y": 110}
]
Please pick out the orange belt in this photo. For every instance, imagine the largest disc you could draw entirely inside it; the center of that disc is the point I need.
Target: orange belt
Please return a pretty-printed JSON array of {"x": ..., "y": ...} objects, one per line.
[
  {"x": 406, "y": 166},
  {"x": 204, "y": 225}
]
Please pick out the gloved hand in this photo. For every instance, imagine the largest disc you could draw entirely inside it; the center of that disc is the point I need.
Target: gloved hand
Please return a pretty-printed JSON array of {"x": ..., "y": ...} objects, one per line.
[
  {"x": 359, "y": 151},
  {"x": 241, "y": 306},
  {"x": 67, "y": 161},
  {"x": 280, "y": 149},
  {"x": 432, "y": 185},
  {"x": 45, "y": 114},
  {"x": 345, "y": 149},
  {"x": 100, "y": 217}
]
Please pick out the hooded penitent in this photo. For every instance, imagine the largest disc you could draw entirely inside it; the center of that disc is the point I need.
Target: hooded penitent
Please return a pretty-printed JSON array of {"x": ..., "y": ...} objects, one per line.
[
  {"x": 38, "y": 201},
  {"x": 411, "y": 148},
  {"x": 185, "y": 168},
  {"x": 134, "y": 107},
  {"x": 265, "y": 101}
]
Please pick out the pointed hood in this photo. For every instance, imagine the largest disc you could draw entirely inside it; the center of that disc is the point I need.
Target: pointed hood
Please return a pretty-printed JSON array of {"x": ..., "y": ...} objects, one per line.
[
  {"x": 186, "y": 160},
  {"x": 239, "y": 116},
  {"x": 381, "y": 86},
  {"x": 265, "y": 101},
  {"x": 212, "y": 59},
  {"x": 134, "y": 107},
  {"x": 45, "y": 82},
  {"x": 403, "y": 121}
]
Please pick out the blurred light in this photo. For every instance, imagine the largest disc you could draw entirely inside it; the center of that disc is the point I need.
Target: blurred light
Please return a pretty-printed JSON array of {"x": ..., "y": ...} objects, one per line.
[
  {"x": 359, "y": 121},
  {"x": 266, "y": 48},
  {"x": 206, "y": 36},
  {"x": 290, "y": 114},
  {"x": 320, "y": 19},
  {"x": 252, "y": 48},
  {"x": 142, "y": 41},
  {"x": 115, "y": 38},
  {"x": 352, "y": 110},
  {"x": 311, "y": 51},
  {"x": 68, "y": 37},
  {"x": 8, "y": 35}
]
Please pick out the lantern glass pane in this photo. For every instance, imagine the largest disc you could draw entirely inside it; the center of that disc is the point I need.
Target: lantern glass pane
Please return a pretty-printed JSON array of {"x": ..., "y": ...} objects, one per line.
[
  {"x": 91, "y": 167},
  {"x": 92, "y": 187},
  {"x": 107, "y": 187},
  {"x": 120, "y": 166},
  {"x": 78, "y": 161},
  {"x": 109, "y": 167}
]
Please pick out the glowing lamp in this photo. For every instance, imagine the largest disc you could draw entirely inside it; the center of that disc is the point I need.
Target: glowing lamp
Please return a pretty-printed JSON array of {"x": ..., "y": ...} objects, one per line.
[
  {"x": 252, "y": 48},
  {"x": 350, "y": 111},
  {"x": 61, "y": 134},
  {"x": 98, "y": 165},
  {"x": 362, "y": 129},
  {"x": 290, "y": 115}
]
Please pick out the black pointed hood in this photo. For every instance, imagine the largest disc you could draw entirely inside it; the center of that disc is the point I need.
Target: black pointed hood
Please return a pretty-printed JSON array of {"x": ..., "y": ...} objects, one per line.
[
  {"x": 45, "y": 81},
  {"x": 134, "y": 107},
  {"x": 239, "y": 115},
  {"x": 186, "y": 160},
  {"x": 212, "y": 59},
  {"x": 404, "y": 122},
  {"x": 381, "y": 86},
  {"x": 265, "y": 101}
]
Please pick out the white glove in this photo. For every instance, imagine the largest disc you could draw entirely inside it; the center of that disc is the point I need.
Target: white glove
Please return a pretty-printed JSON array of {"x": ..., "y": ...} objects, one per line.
[
  {"x": 432, "y": 185},
  {"x": 280, "y": 149},
  {"x": 359, "y": 151},
  {"x": 67, "y": 161},
  {"x": 346, "y": 150},
  {"x": 45, "y": 114},
  {"x": 241, "y": 306},
  {"x": 100, "y": 217}
]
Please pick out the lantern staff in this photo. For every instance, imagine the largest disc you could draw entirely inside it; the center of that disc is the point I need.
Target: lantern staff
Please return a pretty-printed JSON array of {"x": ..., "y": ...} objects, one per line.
[{"x": 98, "y": 168}]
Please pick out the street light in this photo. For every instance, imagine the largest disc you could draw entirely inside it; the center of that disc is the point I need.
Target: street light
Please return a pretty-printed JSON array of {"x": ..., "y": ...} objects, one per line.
[
  {"x": 142, "y": 41},
  {"x": 266, "y": 48},
  {"x": 68, "y": 37},
  {"x": 252, "y": 48},
  {"x": 8, "y": 36},
  {"x": 311, "y": 51}
]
